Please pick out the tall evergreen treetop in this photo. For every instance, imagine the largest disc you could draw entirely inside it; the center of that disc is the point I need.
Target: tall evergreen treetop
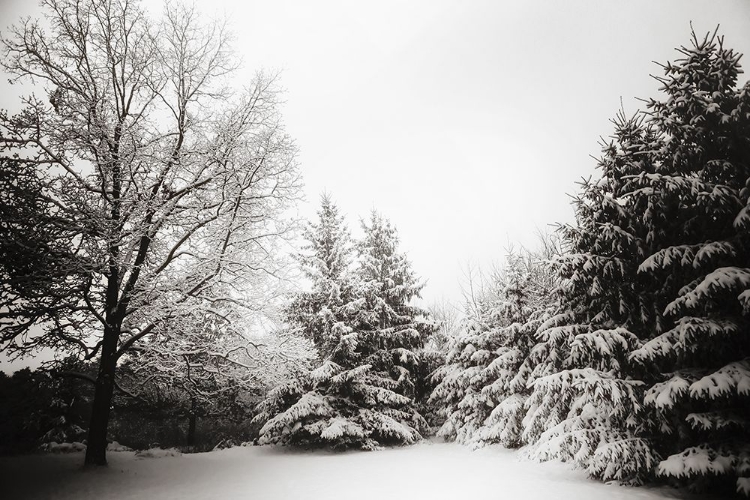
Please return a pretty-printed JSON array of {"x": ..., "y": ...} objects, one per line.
[
  {"x": 325, "y": 261},
  {"x": 699, "y": 262},
  {"x": 387, "y": 282},
  {"x": 329, "y": 244}
]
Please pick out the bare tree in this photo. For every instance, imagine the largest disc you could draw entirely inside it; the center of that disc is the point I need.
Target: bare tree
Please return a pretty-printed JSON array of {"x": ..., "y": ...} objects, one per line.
[
  {"x": 207, "y": 360},
  {"x": 163, "y": 189},
  {"x": 447, "y": 317},
  {"x": 512, "y": 289},
  {"x": 478, "y": 288}
]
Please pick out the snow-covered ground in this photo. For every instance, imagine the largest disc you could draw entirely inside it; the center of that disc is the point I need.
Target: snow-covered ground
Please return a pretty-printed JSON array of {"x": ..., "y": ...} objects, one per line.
[{"x": 427, "y": 470}]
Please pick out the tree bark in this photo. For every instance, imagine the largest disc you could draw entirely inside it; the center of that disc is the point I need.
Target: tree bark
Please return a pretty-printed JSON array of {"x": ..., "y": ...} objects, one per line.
[{"x": 96, "y": 449}]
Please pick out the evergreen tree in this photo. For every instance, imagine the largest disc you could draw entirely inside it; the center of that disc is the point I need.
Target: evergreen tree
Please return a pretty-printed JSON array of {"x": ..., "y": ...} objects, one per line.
[
  {"x": 584, "y": 402},
  {"x": 363, "y": 394},
  {"x": 319, "y": 313},
  {"x": 385, "y": 278},
  {"x": 461, "y": 379},
  {"x": 697, "y": 214},
  {"x": 658, "y": 250},
  {"x": 655, "y": 292},
  {"x": 482, "y": 384},
  {"x": 528, "y": 293}
]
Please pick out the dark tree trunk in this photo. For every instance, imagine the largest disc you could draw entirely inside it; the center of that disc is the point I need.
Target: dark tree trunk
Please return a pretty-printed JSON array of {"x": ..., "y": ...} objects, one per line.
[
  {"x": 96, "y": 449},
  {"x": 114, "y": 312},
  {"x": 191, "y": 423}
]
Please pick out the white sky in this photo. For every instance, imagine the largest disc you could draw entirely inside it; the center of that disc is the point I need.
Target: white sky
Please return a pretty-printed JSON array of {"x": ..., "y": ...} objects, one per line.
[{"x": 465, "y": 122}]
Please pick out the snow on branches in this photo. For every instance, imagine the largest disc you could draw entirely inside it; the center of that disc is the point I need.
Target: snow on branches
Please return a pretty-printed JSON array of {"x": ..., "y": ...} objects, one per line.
[
  {"x": 645, "y": 352},
  {"x": 363, "y": 393}
]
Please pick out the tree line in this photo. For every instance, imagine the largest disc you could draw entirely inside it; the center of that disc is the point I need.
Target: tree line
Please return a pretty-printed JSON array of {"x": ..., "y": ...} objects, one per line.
[
  {"x": 620, "y": 345},
  {"x": 627, "y": 353}
]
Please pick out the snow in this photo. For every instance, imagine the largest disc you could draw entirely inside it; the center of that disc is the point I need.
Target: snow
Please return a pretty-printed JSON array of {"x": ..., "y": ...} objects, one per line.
[
  {"x": 310, "y": 403},
  {"x": 115, "y": 446},
  {"x": 667, "y": 394},
  {"x": 158, "y": 453},
  {"x": 339, "y": 427},
  {"x": 688, "y": 335},
  {"x": 743, "y": 485},
  {"x": 715, "y": 420},
  {"x": 325, "y": 371},
  {"x": 695, "y": 460},
  {"x": 732, "y": 377},
  {"x": 427, "y": 470},
  {"x": 742, "y": 221},
  {"x": 723, "y": 278},
  {"x": 54, "y": 447}
]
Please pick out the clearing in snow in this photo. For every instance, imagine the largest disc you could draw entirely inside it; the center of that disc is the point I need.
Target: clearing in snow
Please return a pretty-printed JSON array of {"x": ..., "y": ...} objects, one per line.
[{"x": 426, "y": 470}]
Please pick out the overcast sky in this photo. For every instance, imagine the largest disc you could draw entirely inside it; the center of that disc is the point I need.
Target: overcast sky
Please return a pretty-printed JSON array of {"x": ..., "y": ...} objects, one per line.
[{"x": 467, "y": 123}]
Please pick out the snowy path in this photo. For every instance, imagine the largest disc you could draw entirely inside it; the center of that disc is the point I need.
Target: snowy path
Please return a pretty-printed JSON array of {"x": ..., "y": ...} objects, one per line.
[{"x": 428, "y": 470}]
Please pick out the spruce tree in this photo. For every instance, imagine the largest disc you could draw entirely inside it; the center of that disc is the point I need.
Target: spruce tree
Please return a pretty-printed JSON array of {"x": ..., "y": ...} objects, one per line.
[
  {"x": 482, "y": 384},
  {"x": 697, "y": 214},
  {"x": 649, "y": 356},
  {"x": 325, "y": 261},
  {"x": 461, "y": 379},
  {"x": 363, "y": 394},
  {"x": 585, "y": 403},
  {"x": 528, "y": 294},
  {"x": 644, "y": 369}
]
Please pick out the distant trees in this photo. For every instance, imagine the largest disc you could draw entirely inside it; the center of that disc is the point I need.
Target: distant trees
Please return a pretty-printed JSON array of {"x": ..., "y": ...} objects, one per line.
[
  {"x": 363, "y": 393},
  {"x": 482, "y": 386},
  {"x": 155, "y": 190},
  {"x": 40, "y": 407},
  {"x": 447, "y": 318}
]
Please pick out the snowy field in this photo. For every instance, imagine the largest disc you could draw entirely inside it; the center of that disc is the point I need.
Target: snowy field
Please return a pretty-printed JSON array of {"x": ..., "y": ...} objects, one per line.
[{"x": 427, "y": 470}]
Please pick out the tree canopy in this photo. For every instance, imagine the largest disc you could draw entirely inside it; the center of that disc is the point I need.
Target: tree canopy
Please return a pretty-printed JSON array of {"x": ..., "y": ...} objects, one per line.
[{"x": 159, "y": 188}]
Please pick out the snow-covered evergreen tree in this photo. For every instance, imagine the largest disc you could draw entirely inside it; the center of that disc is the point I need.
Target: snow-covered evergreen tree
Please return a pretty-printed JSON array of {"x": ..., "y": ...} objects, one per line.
[
  {"x": 461, "y": 379},
  {"x": 325, "y": 262},
  {"x": 481, "y": 384},
  {"x": 649, "y": 355},
  {"x": 697, "y": 196},
  {"x": 529, "y": 302},
  {"x": 363, "y": 395},
  {"x": 584, "y": 402}
]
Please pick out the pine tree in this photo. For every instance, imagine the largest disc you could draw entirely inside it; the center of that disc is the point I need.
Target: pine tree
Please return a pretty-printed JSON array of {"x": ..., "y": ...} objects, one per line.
[
  {"x": 528, "y": 293},
  {"x": 461, "y": 380},
  {"x": 363, "y": 394},
  {"x": 649, "y": 354}
]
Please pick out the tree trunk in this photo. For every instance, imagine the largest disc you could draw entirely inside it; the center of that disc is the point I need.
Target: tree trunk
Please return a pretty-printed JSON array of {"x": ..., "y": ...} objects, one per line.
[
  {"x": 191, "y": 423},
  {"x": 96, "y": 449}
]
